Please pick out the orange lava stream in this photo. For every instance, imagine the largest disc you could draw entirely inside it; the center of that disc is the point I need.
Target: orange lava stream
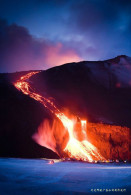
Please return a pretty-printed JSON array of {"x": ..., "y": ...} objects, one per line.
[{"x": 80, "y": 150}]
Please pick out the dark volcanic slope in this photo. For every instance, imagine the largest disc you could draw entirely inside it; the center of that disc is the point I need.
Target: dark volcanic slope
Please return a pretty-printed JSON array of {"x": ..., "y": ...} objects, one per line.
[
  {"x": 100, "y": 91},
  {"x": 20, "y": 117}
]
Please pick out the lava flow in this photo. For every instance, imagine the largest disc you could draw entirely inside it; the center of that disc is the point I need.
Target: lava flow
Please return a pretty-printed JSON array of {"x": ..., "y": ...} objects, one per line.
[{"x": 75, "y": 148}]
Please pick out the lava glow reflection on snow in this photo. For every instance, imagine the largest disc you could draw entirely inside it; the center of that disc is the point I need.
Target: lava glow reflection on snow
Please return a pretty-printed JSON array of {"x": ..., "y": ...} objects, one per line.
[{"x": 79, "y": 150}]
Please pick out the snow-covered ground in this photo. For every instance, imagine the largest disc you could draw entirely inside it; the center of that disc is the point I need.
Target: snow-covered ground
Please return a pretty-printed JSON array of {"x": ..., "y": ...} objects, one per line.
[{"x": 37, "y": 177}]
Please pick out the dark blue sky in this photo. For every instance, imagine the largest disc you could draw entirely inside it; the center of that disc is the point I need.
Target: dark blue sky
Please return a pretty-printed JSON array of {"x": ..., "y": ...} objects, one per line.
[{"x": 39, "y": 34}]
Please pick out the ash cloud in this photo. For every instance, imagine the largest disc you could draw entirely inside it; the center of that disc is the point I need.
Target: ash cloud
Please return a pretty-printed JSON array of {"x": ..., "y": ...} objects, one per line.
[{"x": 19, "y": 50}]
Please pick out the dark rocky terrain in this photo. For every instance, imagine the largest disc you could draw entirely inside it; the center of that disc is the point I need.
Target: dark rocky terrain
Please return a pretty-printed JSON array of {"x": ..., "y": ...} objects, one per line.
[
  {"x": 20, "y": 117},
  {"x": 98, "y": 91}
]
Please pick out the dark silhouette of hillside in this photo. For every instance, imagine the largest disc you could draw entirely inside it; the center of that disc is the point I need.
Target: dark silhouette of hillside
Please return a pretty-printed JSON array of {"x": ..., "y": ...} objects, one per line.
[
  {"x": 96, "y": 91},
  {"x": 20, "y": 117}
]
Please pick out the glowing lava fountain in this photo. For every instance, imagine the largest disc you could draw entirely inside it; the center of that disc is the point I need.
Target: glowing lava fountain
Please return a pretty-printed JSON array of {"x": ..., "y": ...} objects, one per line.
[{"x": 79, "y": 150}]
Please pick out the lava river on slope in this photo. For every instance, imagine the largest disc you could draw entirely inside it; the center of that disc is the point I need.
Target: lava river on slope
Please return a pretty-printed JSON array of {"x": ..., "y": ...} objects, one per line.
[{"x": 78, "y": 146}]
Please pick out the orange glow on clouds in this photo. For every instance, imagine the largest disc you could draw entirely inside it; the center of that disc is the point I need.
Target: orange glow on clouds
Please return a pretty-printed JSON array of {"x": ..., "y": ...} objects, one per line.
[{"x": 57, "y": 55}]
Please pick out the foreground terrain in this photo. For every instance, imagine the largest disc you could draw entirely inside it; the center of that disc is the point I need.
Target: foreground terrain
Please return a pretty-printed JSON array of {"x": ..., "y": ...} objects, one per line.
[{"x": 37, "y": 177}]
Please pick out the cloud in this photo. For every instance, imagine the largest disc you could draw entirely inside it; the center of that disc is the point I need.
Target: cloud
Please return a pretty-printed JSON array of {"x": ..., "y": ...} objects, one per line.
[
  {"x": 67, "y": 30},
  {"x": 21, "y": 51},
  {"x": 57, "y": 55},
  {"x": 104, "y": 26}
]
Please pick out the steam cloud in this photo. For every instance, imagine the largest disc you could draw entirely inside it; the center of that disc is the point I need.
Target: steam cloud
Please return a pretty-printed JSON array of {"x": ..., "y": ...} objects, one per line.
[
  {"x": 54, "y": 137},
  {"x": 21, "y": 51}
]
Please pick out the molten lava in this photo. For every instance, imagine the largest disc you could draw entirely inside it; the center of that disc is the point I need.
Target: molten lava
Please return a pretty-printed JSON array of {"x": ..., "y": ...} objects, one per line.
[{"x": 75, "y": 148}]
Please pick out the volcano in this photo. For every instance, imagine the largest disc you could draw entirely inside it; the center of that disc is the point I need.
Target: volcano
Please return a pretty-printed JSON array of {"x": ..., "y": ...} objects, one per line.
[{"x": 77, "y": 110}]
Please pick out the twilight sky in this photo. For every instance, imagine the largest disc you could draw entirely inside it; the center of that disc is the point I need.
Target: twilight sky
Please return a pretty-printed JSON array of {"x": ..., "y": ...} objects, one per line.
[{"x": 38, "y": 34}]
